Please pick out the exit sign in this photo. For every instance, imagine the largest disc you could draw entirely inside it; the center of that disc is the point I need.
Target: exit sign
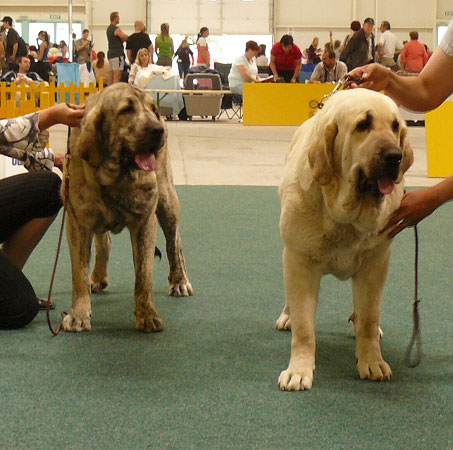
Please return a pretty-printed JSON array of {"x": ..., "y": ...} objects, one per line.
[{"x": 55, "y": 16}]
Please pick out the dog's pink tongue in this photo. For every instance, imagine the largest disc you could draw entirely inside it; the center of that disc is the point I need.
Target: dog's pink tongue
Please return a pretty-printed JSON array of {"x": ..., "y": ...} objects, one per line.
[
  {"x": 385, "y": 185},
  {"x": 146, "y": 162}
]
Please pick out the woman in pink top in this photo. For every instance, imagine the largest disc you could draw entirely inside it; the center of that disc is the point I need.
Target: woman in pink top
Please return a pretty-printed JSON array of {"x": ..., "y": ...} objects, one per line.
[{"x": 413, "y": 55}]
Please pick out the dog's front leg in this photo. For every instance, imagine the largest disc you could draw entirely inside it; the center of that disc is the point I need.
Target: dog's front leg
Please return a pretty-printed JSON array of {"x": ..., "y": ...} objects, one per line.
[
  {"x": 302, "y": 289},
  {"x": 367, "y": 287},
  {"x": 143, "y": 238},
  {"x": 168, "y": 216},
  {"x": 79, "y": 240}
]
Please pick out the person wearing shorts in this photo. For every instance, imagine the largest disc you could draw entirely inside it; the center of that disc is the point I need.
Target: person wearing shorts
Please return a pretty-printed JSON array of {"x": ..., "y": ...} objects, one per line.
[{"x": 115, "y": 54}]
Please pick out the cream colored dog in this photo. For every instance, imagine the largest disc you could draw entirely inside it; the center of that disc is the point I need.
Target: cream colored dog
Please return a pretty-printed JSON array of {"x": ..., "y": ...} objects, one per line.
[
  {"x": 342, "y": 180},
  {"x": 120, "y": 176}
]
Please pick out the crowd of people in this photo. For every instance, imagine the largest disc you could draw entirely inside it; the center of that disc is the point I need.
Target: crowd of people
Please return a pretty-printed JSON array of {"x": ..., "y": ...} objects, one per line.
[{"x": 286, "y": 62}]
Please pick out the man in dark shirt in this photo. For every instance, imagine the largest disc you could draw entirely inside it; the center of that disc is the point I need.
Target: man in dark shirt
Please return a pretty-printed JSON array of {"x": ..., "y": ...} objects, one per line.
[
  {"x": 138, "y": 40},
  {"x": 360, "y": 48},
  {"x": 115, "y": 54},
  {"x": 15, "y": 46}
]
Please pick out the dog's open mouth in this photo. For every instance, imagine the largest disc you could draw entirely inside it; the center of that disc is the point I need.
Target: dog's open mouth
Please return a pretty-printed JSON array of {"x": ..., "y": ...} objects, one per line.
[
  {"x": 146, "y": 161},
  {"x": 376, "y": 185}
]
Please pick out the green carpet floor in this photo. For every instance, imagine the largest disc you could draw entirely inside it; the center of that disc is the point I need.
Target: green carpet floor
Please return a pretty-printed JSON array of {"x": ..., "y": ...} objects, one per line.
[{"x": 209, "y": 381}]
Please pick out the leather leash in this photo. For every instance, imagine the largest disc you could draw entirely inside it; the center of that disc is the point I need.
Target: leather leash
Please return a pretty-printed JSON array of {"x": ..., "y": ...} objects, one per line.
[
  {"x": 66, "y": 194},
  {"x": 416, "y": 339}
]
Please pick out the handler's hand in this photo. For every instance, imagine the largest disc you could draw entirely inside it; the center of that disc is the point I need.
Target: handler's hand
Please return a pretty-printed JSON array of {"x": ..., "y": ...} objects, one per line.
[
  {"x": 415, "y": 206},
  {"x": 371, "y": 76},
  {"x": 63, "y": 113}
]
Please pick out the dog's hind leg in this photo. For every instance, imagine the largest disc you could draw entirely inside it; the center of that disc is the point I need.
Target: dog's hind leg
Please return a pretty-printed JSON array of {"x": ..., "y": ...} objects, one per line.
[
  {"x": 143, "y": 238},
  {"x": 99, "y": 275},
  {"x": 168, "y": 216}
]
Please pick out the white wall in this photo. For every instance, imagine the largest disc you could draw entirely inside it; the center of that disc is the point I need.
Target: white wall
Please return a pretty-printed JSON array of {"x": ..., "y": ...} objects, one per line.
[
  {"x": 302, "y": 18},
  {"x": 316, "y": 17}
]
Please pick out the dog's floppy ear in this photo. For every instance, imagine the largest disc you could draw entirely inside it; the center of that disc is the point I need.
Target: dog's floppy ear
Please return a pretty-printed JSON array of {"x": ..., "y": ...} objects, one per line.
[
  {"x": 320, "y": 155},
  {"x": 408, "y": 155},
  {"x": 90, "y": 142}
]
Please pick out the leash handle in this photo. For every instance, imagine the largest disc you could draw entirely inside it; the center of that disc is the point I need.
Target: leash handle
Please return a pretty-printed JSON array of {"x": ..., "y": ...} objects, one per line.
[{"x": 416, "y": 339}]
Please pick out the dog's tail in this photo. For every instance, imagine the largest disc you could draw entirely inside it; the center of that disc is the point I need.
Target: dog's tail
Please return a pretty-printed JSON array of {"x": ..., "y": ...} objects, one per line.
[{"x": 157, "y": 253}]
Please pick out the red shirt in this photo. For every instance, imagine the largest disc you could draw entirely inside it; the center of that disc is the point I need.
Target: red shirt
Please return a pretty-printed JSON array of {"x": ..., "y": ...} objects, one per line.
[
  {"x": 414, "y": 56},
  {"x": 285, "y": 61}
]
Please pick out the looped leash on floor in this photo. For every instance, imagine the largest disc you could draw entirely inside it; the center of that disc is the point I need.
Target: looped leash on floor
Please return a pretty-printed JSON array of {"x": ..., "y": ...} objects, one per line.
[{"x": 416, "y": 339}]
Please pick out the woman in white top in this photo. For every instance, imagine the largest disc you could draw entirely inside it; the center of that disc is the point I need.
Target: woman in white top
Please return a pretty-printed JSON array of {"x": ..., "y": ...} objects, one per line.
[
  {"x": 142, "y": 61},
  {"x": 244, "y": 69}
]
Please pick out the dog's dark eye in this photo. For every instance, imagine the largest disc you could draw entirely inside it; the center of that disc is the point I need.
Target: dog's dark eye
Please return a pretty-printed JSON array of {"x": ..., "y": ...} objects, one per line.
[
  {"x": 395, "y": 126},
  {"x": 365, "y": 125},
  {"x": 126, "y": 109}
]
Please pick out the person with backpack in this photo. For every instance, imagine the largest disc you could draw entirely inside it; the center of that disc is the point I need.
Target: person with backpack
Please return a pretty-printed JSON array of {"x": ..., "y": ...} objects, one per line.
[{"x": 15, "y": 45}]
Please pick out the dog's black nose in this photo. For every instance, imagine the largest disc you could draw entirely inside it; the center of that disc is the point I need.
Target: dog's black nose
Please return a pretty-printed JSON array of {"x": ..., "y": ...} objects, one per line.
[
  {"x": 392, "y": 156},
  {"x": 155, "y": 132}
]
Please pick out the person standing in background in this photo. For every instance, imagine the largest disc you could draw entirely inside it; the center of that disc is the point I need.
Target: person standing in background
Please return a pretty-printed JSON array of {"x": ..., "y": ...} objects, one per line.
[
  {"x": 184, "y": 55},
  {"x": 360, "y": 48},
  {"x": 203, "y": 57},
  {"x": 15, "y": 45},
  {"x": 164, "y": 46},
  {"x": 83, "y": 48},
  {"x": 115, "y": 54},
  {"x": 286, "y": 59},
  {"x": 388, "y": 46},
  {"x": 137, "y": 40},
  {"x": 413, "y": 55}
]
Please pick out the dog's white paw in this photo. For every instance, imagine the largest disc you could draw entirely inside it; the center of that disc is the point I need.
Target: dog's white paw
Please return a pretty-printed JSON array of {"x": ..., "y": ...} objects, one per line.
[
  {"x": 283, "y": 323},
  {"x": 181, "y": 289},
  {"x": 374, "y": 370},
  {"x": 292, "y": 380},
  {"x": 77, "y": 322}
]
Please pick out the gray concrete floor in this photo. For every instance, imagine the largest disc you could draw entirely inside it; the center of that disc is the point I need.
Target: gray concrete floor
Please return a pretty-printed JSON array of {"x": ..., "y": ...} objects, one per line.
[{"x": 226, "y": 152}]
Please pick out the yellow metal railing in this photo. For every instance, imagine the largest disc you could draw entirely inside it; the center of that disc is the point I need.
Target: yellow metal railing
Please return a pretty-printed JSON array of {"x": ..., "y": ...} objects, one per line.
[{"x": 19, "y": 100}]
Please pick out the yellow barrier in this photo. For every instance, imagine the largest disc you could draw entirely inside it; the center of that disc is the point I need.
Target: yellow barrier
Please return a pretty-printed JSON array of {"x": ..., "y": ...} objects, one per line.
[
  {"x": 439, "y": 148},
  {"x": 279, "y": 103},
  {"x": 19, "y": 100}
]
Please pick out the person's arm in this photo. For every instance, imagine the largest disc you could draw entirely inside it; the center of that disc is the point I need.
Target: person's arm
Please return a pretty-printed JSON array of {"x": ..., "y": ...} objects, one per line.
[
  {"x": 13, "y": 54},
  {"x": 63, "y": 113},
  {"x": 132, "y": 74},
  {"x": 172, "y": 48},
  {"x": 418, "y": 204},
  {"x": 151, "y": 53},
  {"x": 129, "y": 56},
  {"x": 81, "y": 46},
  {"x": 403, "y": 55},
  {"x": 315, "y": 76},
  {"x": 119, "y": 33},
  {"x": 421, "y": 93},
  {"x": 156, "y": 47},
  {"x": 296, "y": 70},
  {"x": 191, "y": 56},
  {"x": 273, "y": 67},
  {"x": 245, "y": 74}
]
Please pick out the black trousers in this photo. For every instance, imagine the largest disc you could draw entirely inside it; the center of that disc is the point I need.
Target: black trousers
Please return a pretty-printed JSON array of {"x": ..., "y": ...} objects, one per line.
[
  {"x": 286, "y": 75},
  {"x": 22, "y": 198}
]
